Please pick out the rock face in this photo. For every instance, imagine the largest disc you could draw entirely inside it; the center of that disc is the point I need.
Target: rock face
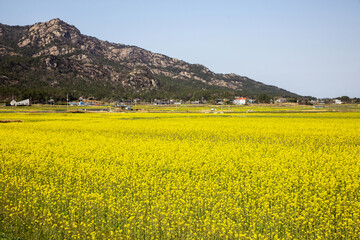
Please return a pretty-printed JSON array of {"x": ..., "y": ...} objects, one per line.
[{"x": 56, "y": 54}]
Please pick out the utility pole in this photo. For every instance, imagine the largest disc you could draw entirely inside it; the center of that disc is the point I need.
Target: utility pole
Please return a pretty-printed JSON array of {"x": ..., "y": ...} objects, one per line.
[{"x": 67, "y": 102}]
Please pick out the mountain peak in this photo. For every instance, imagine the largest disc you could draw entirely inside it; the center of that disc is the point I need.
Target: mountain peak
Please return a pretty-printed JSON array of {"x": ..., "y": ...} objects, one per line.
[
  {"x": 45, "y": 33},
  {"x": 56, "y": 20}
]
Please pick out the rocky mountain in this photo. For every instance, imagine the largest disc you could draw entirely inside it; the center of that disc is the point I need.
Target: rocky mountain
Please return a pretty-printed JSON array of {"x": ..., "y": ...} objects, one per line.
[{"x": 51, "y": 59}]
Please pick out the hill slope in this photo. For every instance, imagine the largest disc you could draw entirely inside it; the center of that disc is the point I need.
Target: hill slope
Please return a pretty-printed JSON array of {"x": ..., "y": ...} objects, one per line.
[{"x": 53, "y": 58}]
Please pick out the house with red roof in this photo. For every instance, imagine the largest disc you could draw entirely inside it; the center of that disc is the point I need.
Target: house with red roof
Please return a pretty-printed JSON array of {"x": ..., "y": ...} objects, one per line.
[{"x": 240, "y": 101}]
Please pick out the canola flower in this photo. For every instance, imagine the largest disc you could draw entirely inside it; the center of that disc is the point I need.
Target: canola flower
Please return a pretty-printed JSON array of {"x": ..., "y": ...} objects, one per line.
[{"x": 180, "y": 176}]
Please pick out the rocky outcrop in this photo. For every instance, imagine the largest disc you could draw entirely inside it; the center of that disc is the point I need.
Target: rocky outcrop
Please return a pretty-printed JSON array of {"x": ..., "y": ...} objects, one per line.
[
  {"x": 43, "y": 34},
  {"x": 140, "y": 79}
]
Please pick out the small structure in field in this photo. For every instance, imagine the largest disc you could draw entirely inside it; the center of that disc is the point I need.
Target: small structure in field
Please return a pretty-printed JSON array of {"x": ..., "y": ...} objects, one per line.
[
  {"x": 51, "y": 101},
  {"x": 25, "y": 102}
]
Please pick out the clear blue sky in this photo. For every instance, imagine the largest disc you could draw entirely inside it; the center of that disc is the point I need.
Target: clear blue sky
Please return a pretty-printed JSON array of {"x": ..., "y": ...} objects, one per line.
[{"x": 310, "y": 47}]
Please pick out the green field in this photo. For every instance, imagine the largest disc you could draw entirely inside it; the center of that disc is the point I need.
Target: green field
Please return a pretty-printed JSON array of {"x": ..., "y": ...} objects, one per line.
[{"x": 188, "y": 108}]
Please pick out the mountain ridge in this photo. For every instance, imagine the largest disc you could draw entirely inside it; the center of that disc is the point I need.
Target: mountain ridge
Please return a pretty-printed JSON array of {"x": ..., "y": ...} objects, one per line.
[{"x": 53, "y": 58}]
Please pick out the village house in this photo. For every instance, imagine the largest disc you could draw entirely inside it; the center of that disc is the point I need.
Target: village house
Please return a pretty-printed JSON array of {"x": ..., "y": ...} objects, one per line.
[
  {"x": 281, "y": 100},
  {"x": 92, "y": 102},
  {"x": 240, "y": 101},
  {"x": 25, "y": 102}
]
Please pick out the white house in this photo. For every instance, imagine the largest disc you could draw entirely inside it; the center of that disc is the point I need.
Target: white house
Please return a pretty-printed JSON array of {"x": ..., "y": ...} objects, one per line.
[
  {"x": 240, "y": 101},
  {"x": 338, "y": 101},
  {"x": 25, "y": 102},
  {"x": 281, "y": 100}
]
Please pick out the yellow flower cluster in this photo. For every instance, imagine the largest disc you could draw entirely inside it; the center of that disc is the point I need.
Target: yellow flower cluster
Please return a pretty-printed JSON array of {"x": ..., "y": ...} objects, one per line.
[{"x": 180, "y": 176}]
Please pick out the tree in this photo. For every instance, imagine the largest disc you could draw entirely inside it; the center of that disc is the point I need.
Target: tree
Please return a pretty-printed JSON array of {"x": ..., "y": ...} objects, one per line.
[
  {"x": 263, "y": 98},
  {"x": 345, "y": 99},
  {"x": 292, "y": 100}
]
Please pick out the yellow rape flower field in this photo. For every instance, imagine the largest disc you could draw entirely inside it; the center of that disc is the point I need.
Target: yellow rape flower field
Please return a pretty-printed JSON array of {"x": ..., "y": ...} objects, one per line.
[{"x": 180, "y": 176}]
